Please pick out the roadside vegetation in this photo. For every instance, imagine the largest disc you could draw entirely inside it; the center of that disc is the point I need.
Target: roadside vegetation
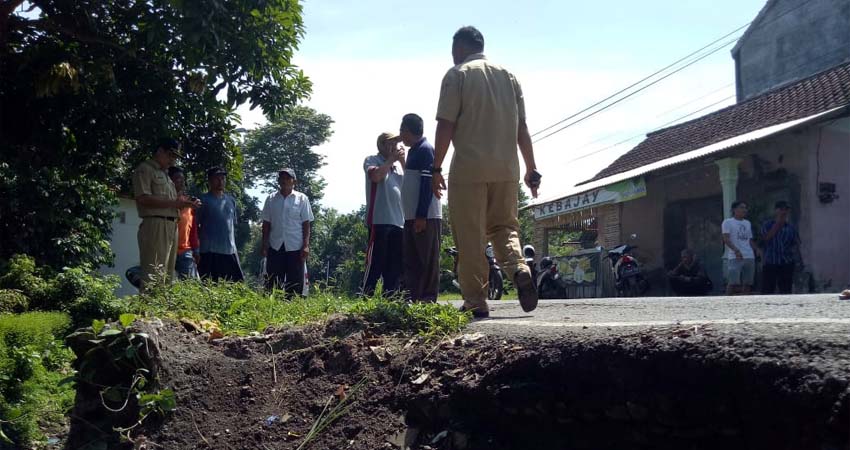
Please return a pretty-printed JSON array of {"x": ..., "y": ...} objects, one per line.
[{"x": 39, "y": 307}]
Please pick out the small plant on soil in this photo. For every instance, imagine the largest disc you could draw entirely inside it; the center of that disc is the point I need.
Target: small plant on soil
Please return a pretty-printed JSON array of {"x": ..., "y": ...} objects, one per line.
[
  {"x": 239, "y": 309},
  {"x": 118, "y": 361}
]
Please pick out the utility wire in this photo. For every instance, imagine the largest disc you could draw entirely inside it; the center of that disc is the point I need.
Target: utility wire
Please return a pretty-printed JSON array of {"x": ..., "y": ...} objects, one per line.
[
  {"x": 800, "y": 5},
  {"x": 641, "y": 80},
  {"x": 583, "y": 118},
  {"x": 651, "y": 131}
]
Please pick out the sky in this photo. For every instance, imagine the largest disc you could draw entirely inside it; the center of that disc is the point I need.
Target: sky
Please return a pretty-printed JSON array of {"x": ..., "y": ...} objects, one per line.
[{"x": 373, "y": 61}]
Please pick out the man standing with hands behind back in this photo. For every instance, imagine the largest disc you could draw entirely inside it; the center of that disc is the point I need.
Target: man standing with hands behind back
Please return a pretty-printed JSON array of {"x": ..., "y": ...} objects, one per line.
[
  {"x": 482, "y": 112},
  {"x": 422, "y": 214}
]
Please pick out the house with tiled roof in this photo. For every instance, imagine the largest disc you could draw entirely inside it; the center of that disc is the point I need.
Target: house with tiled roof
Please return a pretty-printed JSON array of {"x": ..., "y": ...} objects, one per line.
[{"x": 786, "y": 139}]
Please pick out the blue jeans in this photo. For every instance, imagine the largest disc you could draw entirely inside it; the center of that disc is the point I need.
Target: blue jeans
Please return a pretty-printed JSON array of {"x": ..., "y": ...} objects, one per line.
[{"x": 185, "y": 266}]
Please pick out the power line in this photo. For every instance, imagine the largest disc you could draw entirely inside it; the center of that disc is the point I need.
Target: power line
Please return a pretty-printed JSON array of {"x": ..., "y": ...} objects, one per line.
[
  {"x": 581, "y": 119},
  {"x": 640, "y": 81},
  {"x": 689, "y": 102},
  {"x": 650, "y": 131},
  {"x": 800, "y": 5}
]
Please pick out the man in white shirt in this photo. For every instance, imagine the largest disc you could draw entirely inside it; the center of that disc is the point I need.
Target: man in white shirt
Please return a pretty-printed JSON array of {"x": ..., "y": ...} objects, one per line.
[
  {"x": 740, "y": 256},
  {"x": 286, "y": 235}
]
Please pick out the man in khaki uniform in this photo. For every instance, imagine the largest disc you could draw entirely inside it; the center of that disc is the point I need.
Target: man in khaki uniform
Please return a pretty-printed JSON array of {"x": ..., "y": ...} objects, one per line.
[
  {"x": 158, "y": 206},
  {"x": 482, "y": 112}
]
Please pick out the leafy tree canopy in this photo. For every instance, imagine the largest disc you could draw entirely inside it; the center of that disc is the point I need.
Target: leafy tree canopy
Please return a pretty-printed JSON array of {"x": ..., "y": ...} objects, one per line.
[
  {"x": 288, "y": 142},
  {"x": 88, "y": 86}
]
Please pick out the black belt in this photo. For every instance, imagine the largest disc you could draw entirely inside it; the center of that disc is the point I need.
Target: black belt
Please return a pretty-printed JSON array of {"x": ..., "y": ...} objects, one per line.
[{"x": 172, "y": 219}]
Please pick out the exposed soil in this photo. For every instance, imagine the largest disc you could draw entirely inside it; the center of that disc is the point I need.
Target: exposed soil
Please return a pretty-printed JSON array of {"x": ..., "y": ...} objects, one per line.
[{"x": 475, "y": 392}]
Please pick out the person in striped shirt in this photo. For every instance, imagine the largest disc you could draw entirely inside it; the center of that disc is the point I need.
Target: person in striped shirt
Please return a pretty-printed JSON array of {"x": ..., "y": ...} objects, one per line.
[{"x": 780, "y": 240}]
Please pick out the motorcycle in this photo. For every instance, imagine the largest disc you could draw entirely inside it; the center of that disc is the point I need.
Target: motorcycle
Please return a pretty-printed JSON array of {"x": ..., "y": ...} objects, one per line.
[
  {"x": 495, "y": 286},
  {"x": 628, "y": 278},
  {"x": 548, "y": 280},
  {"x": 528, "y": 254}
]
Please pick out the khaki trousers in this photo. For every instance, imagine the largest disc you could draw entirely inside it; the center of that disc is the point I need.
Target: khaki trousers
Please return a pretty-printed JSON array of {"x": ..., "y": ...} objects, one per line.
[
  {"x": 157, "y": 248},
  {"x": 482, "y": 212}
]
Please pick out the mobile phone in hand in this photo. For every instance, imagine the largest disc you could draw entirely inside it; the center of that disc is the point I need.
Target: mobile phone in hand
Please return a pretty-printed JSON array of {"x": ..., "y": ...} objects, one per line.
[{"x": 534, "y": 180}]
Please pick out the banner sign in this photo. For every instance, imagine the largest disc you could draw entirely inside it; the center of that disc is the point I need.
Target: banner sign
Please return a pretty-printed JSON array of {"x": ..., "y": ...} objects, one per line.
[
  {"x": 579, "y": 270},
  {"x": 615, "y": 193}
]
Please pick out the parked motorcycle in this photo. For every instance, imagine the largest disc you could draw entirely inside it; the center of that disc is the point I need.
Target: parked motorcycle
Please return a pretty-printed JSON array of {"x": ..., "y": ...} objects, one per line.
[
  {"x": 528, "y": 254},
  {"x": 495, "y": 286},
  {"x": 548, "y": 280},
  {"x": 628, "y": 278}
]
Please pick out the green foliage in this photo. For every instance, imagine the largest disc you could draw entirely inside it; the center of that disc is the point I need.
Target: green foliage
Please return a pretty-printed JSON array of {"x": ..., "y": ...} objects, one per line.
[
  {"x": 91, "y": 85},
  {"x": 289, "y": 142},
  {"x": 13, "y": 301},
  {"x": 78, "y": 291},
  {"x": 239, "y": 309},
  {"x": 430, "y": 319},
  {"x": 33, "y": 365},
  {"x": 338, "y": 244}
]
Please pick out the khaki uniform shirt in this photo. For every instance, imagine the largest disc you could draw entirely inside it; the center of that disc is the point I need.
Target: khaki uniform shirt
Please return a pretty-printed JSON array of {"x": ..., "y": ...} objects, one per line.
[
  {"x": 485, "y": 103},
  {"x": 149, "y": 179}
]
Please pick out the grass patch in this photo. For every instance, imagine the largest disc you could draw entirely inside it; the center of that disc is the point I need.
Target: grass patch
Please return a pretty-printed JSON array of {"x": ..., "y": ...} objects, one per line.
[
  {"x": 239, "y": 308},
  {"x": 33, "y": 364}
]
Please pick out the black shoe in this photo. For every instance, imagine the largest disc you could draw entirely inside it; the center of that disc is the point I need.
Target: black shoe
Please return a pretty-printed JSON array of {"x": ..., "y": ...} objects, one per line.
[
  {"x": 477, "y": 313},
  {"x": 525, "y": 290}
]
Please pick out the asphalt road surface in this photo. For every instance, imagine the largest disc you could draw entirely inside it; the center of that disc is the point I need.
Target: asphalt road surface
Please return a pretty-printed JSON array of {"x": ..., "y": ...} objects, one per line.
[{"x": 811, "y": 329}]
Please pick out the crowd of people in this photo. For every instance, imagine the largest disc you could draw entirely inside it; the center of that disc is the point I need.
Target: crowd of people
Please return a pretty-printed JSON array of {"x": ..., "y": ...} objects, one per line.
[
  {"x": 481, "y": 111},
  {"x": 195, "y": 237}
]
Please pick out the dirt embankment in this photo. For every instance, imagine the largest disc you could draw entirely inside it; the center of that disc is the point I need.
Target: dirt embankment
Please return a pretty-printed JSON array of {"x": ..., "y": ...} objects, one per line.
[{"x": 476, "y": 392}]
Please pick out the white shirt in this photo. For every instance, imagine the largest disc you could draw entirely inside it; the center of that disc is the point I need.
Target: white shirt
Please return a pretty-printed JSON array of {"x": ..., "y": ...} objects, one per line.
[
  {"x": 286, "y": 216},
  {"x": 740, "y": 233}
]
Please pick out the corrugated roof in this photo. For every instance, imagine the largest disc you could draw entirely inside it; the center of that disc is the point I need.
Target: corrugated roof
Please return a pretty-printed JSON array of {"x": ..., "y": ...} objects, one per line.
[
  {"x": 685, "y": 157},
  {"x": 825, "y": 91}
]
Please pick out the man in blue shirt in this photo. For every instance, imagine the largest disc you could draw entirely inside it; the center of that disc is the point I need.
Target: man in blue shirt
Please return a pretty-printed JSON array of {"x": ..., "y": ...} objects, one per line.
[
  {"x": 780, "y": 240},
  {"x": 216, "y": 222},
  {"x": 422, "y": 214}
]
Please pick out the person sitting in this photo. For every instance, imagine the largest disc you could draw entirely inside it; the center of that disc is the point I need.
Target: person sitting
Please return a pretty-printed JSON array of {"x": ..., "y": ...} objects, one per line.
[{"x": 688, "y": 278}]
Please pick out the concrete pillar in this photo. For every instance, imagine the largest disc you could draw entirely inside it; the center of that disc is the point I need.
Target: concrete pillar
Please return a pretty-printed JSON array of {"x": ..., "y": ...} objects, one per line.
[{"x": 728, "y": 181}]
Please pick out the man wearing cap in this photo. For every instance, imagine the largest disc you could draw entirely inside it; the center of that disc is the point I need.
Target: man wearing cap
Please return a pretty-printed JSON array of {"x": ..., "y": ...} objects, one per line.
[
  {"x": 482, "y": 112},
  {"x": 384, "y": 217},
  {"x": 217, "y": 220},
  {"x": 422, "y": 214},
  {"x": 780, "y": 240},
  {"x": 158, "y": 206},
  {"x": 286, "y": 235}
]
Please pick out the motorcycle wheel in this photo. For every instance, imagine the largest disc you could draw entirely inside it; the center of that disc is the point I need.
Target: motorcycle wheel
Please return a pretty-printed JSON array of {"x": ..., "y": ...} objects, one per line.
[{"x": 494, "y": 288}]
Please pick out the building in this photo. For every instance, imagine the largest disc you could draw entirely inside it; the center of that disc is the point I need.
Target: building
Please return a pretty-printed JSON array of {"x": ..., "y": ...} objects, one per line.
[
  {"x": 125, "y": 244},
  {"x": 787, "y": 138}
]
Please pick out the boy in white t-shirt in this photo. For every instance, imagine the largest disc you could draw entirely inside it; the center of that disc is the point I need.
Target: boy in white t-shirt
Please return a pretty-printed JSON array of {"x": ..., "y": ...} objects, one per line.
[{"x": 740, "y": 256}]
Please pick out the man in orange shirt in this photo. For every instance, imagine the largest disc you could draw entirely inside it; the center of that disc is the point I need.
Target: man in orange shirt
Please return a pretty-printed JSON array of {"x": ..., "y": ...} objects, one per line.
[{"x": 187, "y": 232}]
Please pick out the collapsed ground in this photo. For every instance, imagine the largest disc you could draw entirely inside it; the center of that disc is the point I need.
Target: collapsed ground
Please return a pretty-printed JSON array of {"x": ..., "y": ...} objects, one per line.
[{"x": 650, "y": 389}]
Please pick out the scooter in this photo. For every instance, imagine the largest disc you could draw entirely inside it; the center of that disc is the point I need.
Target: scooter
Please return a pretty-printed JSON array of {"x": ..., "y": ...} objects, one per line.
[
  {"x": 628, "y": 278},
  {"x": 495, "y": 286},
  {"x": 549, "y": 282}
]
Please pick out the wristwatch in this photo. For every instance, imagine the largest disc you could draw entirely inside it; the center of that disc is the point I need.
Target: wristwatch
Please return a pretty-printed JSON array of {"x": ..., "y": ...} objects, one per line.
[{"x": 436, "y": 170}]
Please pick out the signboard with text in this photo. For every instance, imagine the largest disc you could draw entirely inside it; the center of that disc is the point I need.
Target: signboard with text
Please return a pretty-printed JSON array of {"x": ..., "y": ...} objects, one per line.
[{"x": 615, "y": 193}]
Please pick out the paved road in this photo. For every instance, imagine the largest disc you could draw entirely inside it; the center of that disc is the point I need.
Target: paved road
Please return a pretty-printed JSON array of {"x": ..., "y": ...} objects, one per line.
[{"x": 820, "y": 314}]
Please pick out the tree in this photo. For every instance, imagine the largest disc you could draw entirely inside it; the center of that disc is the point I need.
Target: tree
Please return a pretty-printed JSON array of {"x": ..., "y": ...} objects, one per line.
[
  {"x": 88, "y": 86},
  {"x": 526, "y": 218},
  {"x": 289, "y": 142}
]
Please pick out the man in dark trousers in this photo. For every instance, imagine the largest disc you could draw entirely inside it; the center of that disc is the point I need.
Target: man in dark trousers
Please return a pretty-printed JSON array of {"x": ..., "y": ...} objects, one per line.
[
  {"x": 780, "y": 240},
  {"x": 422, "y": 214},
  {"x": 217, "y": 220},
  {"x": 384, "y": 218},
  {"x": 286, "y": 235}
]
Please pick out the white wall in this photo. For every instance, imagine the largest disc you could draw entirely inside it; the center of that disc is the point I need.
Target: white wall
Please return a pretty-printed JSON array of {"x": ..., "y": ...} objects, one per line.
[{"x": 124, "y": 244}]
